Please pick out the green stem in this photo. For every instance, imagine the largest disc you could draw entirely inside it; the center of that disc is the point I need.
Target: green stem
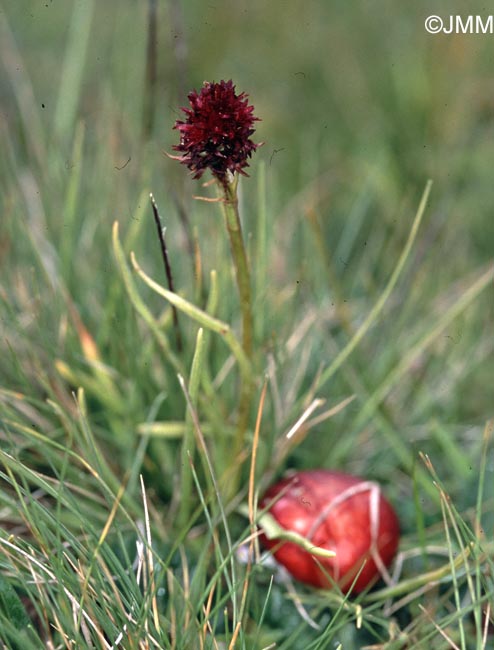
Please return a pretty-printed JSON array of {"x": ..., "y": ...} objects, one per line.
[{"x": 229, "y": 203}]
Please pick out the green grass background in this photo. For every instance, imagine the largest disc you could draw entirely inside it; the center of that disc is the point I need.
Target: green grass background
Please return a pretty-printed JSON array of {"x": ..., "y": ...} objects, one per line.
[{"x": 359, "y": 107}]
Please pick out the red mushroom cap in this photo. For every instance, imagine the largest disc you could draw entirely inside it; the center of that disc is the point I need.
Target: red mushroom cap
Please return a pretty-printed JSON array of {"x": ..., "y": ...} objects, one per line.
[{"x": 339, "y": 512}]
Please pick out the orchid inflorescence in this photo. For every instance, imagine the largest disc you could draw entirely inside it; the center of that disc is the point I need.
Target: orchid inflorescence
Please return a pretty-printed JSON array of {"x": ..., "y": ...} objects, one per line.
[{"x": 216, "y": 133}]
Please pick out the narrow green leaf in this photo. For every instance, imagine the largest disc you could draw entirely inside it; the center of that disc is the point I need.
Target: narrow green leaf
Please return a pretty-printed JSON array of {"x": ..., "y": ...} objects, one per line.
[
  {"x": 201, "y": 317},
  {"x": 139, "y": 304},
  {"x": 188, "y": 445}
]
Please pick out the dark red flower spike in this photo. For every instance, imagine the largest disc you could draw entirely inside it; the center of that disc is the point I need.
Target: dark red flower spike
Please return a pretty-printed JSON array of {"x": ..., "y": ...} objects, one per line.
[{"x": 216, "y": 133}]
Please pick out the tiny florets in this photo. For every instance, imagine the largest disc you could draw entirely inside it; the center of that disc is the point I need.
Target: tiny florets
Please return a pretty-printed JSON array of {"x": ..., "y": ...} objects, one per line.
[{"x": 216, "y": 132}]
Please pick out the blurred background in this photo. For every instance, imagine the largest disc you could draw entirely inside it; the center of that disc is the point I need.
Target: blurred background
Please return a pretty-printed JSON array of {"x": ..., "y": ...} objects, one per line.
[{"x": 352, "y": 93}]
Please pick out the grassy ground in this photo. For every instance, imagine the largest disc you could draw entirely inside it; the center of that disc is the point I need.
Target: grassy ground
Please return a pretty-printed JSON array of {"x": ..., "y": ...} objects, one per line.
[{"x": 117, "y": 530}]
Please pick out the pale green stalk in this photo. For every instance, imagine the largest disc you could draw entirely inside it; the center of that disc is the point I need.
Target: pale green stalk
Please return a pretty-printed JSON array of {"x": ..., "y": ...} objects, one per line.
[
  {"x": 188, "y": 443},
  {"x": 229, "y": 203}
]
